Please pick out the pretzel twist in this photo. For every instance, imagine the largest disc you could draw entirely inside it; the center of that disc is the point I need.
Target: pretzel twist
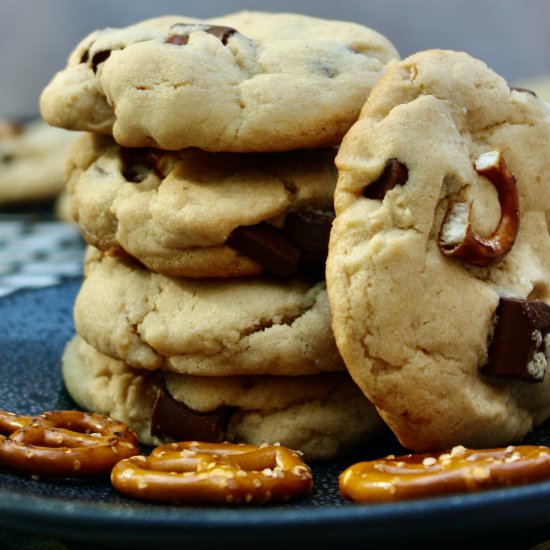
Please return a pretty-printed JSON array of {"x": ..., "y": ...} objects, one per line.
[
  {"x": 471, "y": 247},
  {"x": 214, "y": 473},
  {"x": 460, "y": 470},
  {"x": 64, "y": 443}
]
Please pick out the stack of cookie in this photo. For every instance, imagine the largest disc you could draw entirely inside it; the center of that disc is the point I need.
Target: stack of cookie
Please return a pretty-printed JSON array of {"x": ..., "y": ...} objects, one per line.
[{"x": 204, "y": 186}]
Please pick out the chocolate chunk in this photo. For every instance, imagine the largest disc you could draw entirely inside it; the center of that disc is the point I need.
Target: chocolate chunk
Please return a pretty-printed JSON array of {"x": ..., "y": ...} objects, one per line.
[
  {"x": 135, "y": 164},
  {"x": 267, "y": 246},
  {"x": 309, "y": 231},
  {"x": 175, "y": 420},
  {"x": 99, "y": 57},
  {"x": 518, "y": 347},
  {"x": 177, "y": 39},
  {"x": 223, "y": 33},
  {"x": 526, "y": 90},
  {"x": 395, "y": 173}
]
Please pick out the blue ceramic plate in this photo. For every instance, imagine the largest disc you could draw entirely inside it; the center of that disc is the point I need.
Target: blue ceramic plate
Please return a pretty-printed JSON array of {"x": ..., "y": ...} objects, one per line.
[{"x": 34, "y": 326}]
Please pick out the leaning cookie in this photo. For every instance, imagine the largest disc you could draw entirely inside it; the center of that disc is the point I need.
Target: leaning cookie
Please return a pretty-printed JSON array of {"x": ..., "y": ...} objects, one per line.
[
  {"x": 209, "y": 327},
  {"x": 249, "y": 81},
  {"x": 439, "y": 260},
  {"x": 321, "y": 415},
  {"x": 32, "y": 157},
  {"x": 196, "y": 214}
]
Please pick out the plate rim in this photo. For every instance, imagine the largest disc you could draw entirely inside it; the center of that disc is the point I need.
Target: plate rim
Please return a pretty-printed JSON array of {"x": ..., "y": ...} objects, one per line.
[{"x": 509, "y": 508}]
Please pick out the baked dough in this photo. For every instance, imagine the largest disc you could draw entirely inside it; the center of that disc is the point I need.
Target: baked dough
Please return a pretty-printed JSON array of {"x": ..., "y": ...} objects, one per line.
[{"x": 412, "y": 324}]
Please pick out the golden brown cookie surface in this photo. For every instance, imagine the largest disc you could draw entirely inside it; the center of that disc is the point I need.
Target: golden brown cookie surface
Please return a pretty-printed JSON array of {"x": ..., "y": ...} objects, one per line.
[
  {"x": 179, "y": 212},
  {"x": 413, "y": 323},
  {"x": 210, "y": 327},
  {"x": 323, "y": 415},
  {"x": 248, "y": 81}
]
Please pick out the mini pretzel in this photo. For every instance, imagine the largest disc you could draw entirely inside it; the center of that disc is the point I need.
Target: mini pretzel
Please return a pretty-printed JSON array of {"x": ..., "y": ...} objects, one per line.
[
  {"x": 214, "y": 473},
  {"x": 471, "y": 247},
  {"x": 460, "y": 470},
  {"x": 64, "y": 443}
]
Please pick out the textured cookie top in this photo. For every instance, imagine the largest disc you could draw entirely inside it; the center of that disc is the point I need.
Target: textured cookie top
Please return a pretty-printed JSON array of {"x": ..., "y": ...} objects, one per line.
[
  {"x": 176, "y": 211},
  {"x": 248, "y": 81},
  {"x": 205, "y": 326},
  {"x": 412, "y": 320}
]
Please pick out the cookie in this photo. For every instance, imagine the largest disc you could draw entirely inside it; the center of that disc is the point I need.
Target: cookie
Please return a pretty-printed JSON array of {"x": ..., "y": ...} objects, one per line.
[
  {"x": 206, "y": 327},
  {"x": 321, "y": 415},
  {"x": 443, "y": 163},
  {"x": 244, "y": 82},
  {"x": 31, "y": 161},
  {"x": 196, "y": 214}
]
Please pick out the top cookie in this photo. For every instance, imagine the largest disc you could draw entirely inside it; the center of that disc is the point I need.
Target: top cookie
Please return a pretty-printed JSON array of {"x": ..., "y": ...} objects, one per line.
[
  {"x": 414, "y": 287},
  {"x": 248, "y": 81}
]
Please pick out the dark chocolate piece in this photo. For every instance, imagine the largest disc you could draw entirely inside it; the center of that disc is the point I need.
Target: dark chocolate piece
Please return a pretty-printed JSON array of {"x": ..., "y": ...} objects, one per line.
[
  {"x": 517, "y": 348},
  {"x": 175, "y": 420},
  {"x": 178, "y": 39},
  {"x": 526, "y": 90},
  {"x": 99, "y": 57},
  {"x": 309, "y": 231},
  {"x": 221, "y": 32},
  {"x": 395, "y": 173},
  {"x": 267, "y": 246},
  {"x": 135, "y": 164}
]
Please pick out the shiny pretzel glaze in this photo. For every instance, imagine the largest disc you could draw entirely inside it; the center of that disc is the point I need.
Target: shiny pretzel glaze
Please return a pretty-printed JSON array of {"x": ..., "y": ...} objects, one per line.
[
  {"x": 459, "y": 470},
  {"x": 486, "y": 251},
  {"x": 64, "y": 443},
  {"x": 214, "y": 473}
]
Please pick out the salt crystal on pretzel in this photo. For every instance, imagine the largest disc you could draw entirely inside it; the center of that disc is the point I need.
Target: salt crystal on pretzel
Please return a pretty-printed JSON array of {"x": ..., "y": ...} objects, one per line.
[
  {"x": 64, "y": 443},
  {"x": 459, "y": 470},
  {"x": 214, "y": 473}
]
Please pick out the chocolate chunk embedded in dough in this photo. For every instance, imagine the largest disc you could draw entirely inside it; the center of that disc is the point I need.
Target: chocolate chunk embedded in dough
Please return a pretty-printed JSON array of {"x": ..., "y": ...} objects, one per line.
[
  {"x": 175, "y": 420},
  {"x": 223, "y": 33},
  {"x": 519, "y": 342},
  {"x": 395, "y": 173},
  {"x": 310, "y": 231},
  {"x": 267, "y": 246},
  {"x": 99, "y": 58}
]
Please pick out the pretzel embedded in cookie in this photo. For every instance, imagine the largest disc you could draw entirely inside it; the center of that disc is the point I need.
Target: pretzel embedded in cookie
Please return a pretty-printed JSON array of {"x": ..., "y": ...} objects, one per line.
[
  {"x": 64, "y": 443},
  {"x": 214, "y": 473},
  {"x": 459, "y": 470},
  {"x": 465, "y": 244}
]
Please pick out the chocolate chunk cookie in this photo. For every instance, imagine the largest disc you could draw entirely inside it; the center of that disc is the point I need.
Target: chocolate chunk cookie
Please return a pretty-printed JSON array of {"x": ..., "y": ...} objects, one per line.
[
  {"x": 197, "y": 214},
  {"x": 442, "y": 204},
  {"x": 322, "y": 415},
  {"x": 210, "y": 327},
  {"x": 248, "y": 81}
]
